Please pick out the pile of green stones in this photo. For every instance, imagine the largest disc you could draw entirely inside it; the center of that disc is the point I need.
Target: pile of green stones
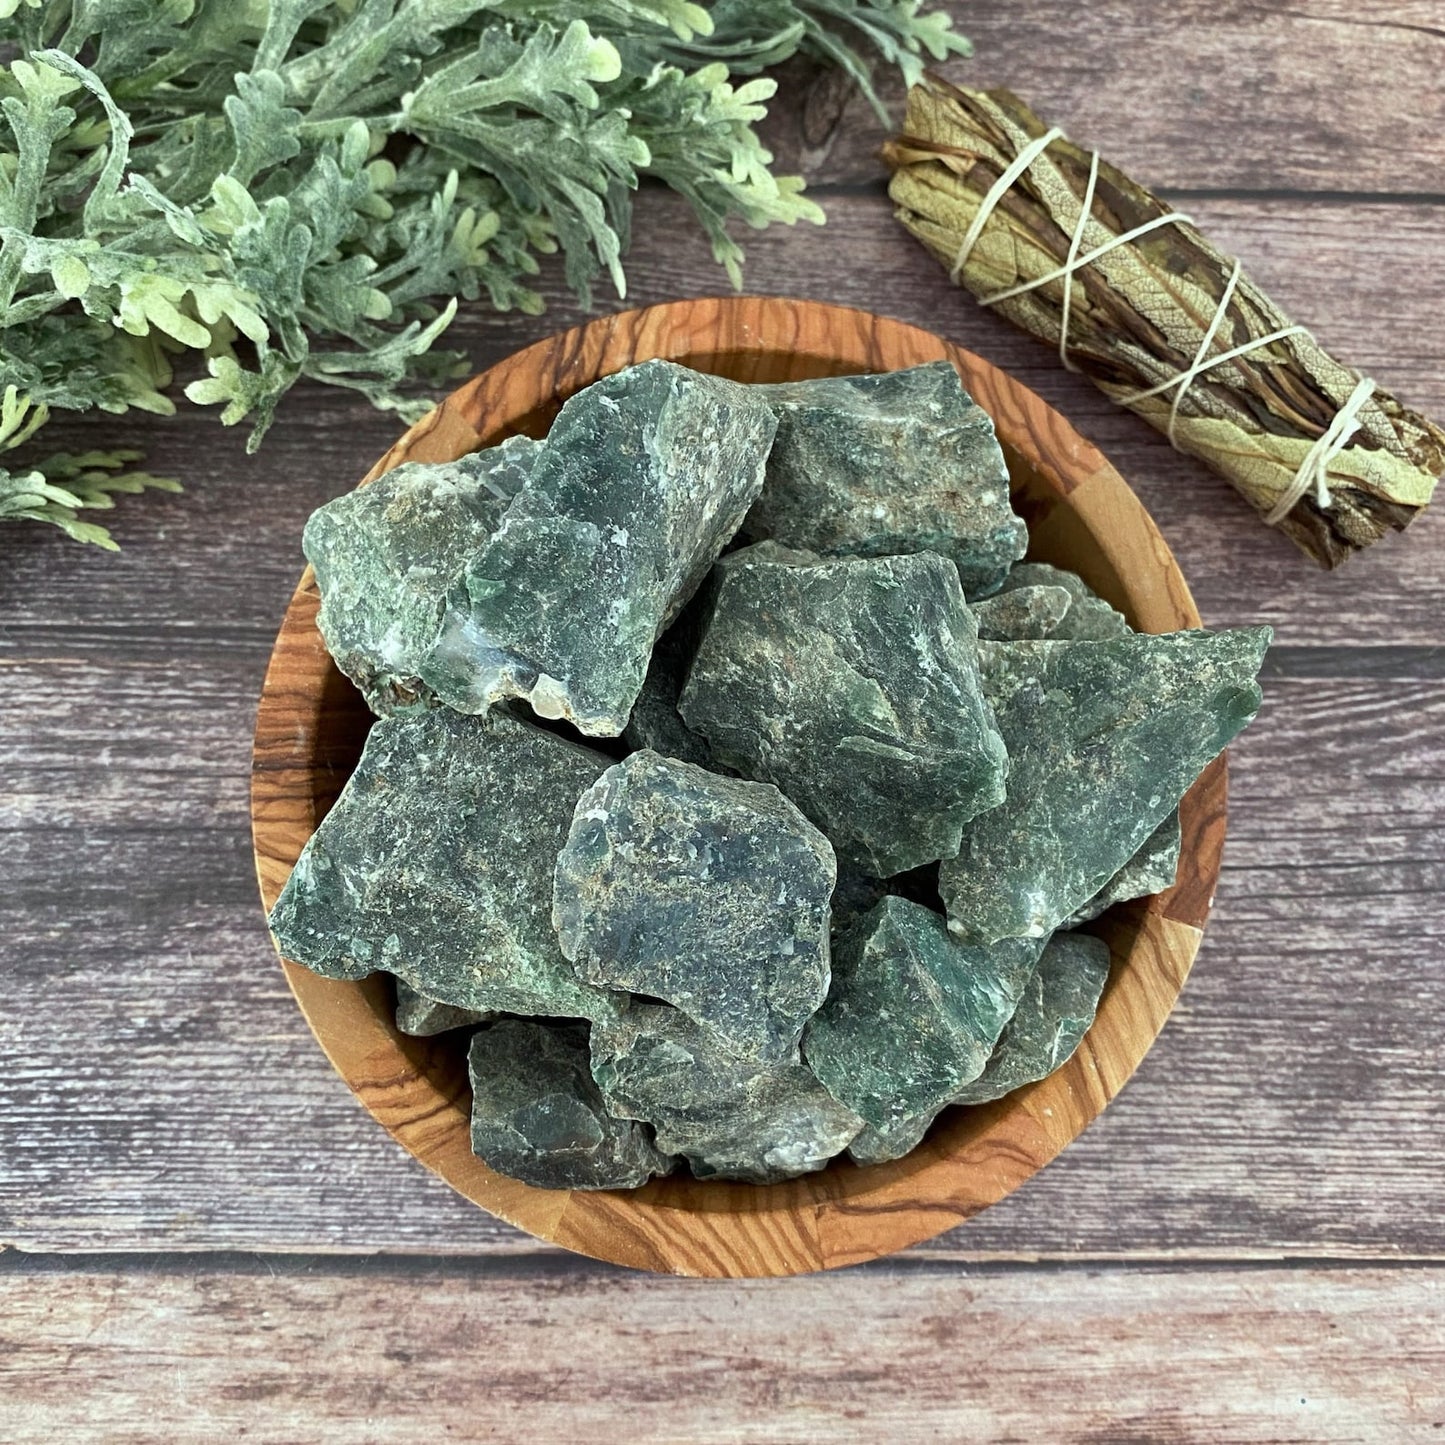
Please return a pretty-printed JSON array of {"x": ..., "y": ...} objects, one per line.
[{"x": 736, "y": 784}]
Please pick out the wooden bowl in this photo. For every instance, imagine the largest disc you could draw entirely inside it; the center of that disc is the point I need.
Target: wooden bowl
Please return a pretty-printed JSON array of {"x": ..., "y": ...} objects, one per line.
[{"x": 311, "y": 725}]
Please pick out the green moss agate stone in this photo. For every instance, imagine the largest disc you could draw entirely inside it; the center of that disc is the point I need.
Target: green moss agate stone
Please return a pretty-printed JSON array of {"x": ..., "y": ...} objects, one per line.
[
  {"x": 420, "y": 1016},
  {"x": 852, "y": 684},
  {"x": 1055, "y": 1008},
  {"x": 537, "y": 1115},
  {"x": 436, "y": 861},
  {"x": 1151, "y": 870},
  {"x": 1103, "y": 739},
  {"x": 1026, "y": 611},
  {"x": 1058, "y": 1005},
  {"x": 912, "y": 1014},
  {"x": 901, "y": 461},
  {"x": 1022, "y": 612},
  {"x": 731, "y": 1116},
  {"x": 878, "y": 1146},
  {"x": 708, "y": 893},
  {"x": 644, "y": 477},
  {"x": 1088, "y": 619},
  {"x": 387, "y": 555}
]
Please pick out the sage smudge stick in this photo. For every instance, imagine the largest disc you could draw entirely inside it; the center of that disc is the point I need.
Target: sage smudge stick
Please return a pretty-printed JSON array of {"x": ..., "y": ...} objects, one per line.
[{"x": 1068, "y": 248}]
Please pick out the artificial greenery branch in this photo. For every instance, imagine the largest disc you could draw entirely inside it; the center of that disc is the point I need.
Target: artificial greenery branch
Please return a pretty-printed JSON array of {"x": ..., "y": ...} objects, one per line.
[{"x": 307, "y": 188}]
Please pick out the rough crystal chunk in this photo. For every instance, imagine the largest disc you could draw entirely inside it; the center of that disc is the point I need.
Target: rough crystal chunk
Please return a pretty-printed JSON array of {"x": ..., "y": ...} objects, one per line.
[
  {"x": 878, "y": 1146},
  {"x": 912, "y": 1014},
  {"x": 387, "y": 554},
  {"x": 731, "y": 1116},
  {"x": 537, "y": 1115},
  {"x": 1054, "y": 1011},
  {"x": 1021, "y": 612},
  {"x": 1151, "y": 870},
  {"x": 853, "y": 685},
  {"x": 1088, "y": 619},
  {"x": 420, "y": 1016},
  {"x": 643, "y": 479},
  {"x": 436, "y": 861},
  {"x": 902, "y": 461},
  {"x": 1027, "y": 610},
  {"x": 1103, "y": 740},
  {"x": 1058, "y": 1005},
  {"x": 708, "y": 893}
]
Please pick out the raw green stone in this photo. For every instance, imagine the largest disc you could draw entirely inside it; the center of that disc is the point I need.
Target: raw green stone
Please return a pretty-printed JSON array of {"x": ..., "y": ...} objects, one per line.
[
  {"x": 1030, "y": 611},
  {"x": 387, "y": 554},
  {"x": 1151, "y": 870},
  {"x": 1103, "y": 739},
  {"x": 436, "y": 861},
  {"x": 644, "y": 477},
  {"x": 731, "y": 1116},
  {"x": 912, "y": 1014},
  {"x": 420, "y": 1016},
  {"x": 537, "y": 1115},
  {"x": 1022, "y": 612},
  {"x": 878, "y": 1146},
  {"x": 708, "y": 893},
  {"x": 1057, "y": 1007},
  {"x": 902, "y": 461},
  {"x": 853, "y": 685},
  {"x": 1054, "y": 1011},
  {"x": 1089, "y": 619}
]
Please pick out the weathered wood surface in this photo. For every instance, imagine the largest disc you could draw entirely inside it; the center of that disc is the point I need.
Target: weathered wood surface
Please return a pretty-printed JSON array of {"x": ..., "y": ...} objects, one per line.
[
  {"x": 160, "y": 1092},
  {"x": 1316, "y": 96},
  {"x": 384, "y": 1353}
]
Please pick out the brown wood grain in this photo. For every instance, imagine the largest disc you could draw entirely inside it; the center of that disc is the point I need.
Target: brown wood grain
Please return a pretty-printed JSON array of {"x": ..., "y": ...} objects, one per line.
[
  {"x": 380, "y": 1353},
  {"x": 1318, "y": 95},
  {"x": 1080, "y": 514},
  {"x": 161, "y": 1092}
]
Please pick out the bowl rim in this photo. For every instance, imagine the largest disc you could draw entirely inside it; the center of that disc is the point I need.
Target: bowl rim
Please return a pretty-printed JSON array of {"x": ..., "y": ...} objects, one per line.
[{"x": 845, "y": 1214}]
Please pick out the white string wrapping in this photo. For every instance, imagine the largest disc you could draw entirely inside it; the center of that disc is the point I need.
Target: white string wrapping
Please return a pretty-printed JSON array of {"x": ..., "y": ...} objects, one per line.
[
  {"x": 1086, "y": 209},
  {"x": 1001, "y": 187},
  {"x": 1253, "y": 344},
  {"x": 1185, "y": 379},
  {"x": 1074, "y": 262},
  {"x": 1313, "y": 471}
]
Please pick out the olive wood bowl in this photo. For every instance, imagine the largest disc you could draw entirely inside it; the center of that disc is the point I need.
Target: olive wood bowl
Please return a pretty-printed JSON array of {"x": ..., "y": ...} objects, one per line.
[{"x": 312, "y": 722}]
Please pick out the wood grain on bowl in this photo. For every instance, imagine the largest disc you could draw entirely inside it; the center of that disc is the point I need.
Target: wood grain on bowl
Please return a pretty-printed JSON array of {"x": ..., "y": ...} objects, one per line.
[{"x": 311, "y": 724}]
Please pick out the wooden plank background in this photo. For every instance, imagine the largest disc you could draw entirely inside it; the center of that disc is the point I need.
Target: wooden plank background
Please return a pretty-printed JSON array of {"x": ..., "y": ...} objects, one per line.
[
  {"x": 528, "y": 1351},
  {"x": 1248, "y": 1245}
]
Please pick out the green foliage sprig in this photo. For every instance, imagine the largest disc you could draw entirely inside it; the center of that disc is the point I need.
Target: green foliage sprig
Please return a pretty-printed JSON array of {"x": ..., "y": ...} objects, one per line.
[{"x": 306, "y": 188}]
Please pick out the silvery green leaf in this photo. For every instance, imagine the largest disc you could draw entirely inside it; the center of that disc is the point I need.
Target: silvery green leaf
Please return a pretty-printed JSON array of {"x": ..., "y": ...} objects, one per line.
[{"x": 326, "y": 178}]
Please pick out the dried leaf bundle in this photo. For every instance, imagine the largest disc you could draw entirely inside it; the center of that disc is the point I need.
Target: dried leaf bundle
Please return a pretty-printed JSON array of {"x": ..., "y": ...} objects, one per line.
[{"x": 1155, "y": 314}]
